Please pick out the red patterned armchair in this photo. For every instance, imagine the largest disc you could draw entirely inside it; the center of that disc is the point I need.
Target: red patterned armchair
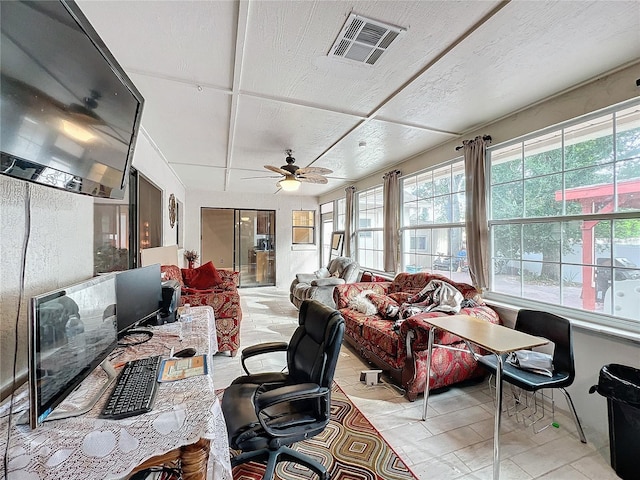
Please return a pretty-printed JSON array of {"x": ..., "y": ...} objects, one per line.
[
  {"x": 400, "y": 347},
  {"x": 223, "y": 298}
]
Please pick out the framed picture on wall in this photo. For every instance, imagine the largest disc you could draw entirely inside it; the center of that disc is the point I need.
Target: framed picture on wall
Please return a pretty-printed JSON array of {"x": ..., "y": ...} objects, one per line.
[{"x": 337, "y": 243}]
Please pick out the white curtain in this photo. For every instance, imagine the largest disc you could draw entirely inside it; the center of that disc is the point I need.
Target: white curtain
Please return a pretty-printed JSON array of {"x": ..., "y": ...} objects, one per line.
[
  {"x": 391, "y": 214},
  {"x": 476, "y": 226},
  {"x": 349, "y": 221}
]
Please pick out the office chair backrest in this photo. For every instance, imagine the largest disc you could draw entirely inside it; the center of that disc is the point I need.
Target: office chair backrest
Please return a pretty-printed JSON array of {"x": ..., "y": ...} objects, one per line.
[
  {"x": 314, "y": 347},
  {"x": 554, "y": 328}
]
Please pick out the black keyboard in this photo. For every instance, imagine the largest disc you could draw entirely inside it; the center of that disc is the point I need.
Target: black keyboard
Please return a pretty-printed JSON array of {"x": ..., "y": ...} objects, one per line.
[{"x": 135, "y": 389}]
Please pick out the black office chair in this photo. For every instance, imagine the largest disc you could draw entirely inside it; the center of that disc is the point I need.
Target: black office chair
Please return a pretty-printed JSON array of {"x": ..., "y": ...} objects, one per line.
[
  {"x": 557, "y": 330},
  {"x": 266, "y": 412}
]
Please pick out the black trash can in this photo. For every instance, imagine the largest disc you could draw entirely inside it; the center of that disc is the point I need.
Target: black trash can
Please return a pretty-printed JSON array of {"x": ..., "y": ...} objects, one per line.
[{"x": 620, "y": 384}]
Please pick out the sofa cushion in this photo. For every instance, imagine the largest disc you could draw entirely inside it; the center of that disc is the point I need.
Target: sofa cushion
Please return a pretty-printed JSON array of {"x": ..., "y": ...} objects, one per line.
[
  {"x": 204, "y": 277},
  {"x": 399, "y": 297},
  {"x": 171, "y": 272},
  {"x": 387, "y": 307},
  {"x": 343, "y": 293},
  {"x": 370, "y": 277},
  {"x": 362, "y": 304},
  {"x": 380, "y": 332}
]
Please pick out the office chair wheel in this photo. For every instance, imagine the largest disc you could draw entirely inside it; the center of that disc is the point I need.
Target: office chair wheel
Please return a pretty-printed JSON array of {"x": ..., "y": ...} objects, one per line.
[{"x": 326, "y": 476}]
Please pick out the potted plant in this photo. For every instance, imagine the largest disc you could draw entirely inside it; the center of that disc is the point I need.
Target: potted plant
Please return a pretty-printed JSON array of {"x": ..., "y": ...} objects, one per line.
[{"x": 191, "y": 256}]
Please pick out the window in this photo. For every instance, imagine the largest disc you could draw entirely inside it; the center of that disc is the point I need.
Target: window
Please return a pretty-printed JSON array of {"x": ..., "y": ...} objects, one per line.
[
  {"x": 114, "y": 230},
  {"x": 326, "y": 228},
  {"x": 432, "y": 224},
  {"x": 369, "y": 233},
  {"x": 565, "y": 215},
  {"x": 304, "y": 227},
  {"x": 341, "y": 209}
]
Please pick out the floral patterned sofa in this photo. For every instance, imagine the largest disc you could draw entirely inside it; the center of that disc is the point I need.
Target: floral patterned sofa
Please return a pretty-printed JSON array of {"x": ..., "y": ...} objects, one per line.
[
  {"x": 401, "y": 350},
  {"x": 224, "y": 299}
]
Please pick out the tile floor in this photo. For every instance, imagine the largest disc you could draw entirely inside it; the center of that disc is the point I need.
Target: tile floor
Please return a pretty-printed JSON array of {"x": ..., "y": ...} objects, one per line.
[{"x": 456, "y": 441}]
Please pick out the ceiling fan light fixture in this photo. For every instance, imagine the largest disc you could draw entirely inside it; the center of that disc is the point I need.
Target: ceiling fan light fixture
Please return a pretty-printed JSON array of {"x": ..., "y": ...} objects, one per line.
[{"x": 289, "y": 184}]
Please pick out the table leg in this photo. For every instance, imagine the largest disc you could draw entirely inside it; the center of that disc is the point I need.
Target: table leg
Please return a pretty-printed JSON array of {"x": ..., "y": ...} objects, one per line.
[
  {"x": 426, "y": 386},
  {"x": 498, "y": 416},
  {"x": 194, "y": 458}
]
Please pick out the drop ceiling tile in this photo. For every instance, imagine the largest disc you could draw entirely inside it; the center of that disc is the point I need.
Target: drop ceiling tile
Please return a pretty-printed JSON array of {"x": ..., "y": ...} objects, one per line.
[
  {"x": 526, "y": 53},
  {"x": 287, "y": 43},
  {"x": 193, "y": 41},
  {"x": 187, "y": 125},
  {"x": 197, "y": 177},
  {"x": 267, "y": 128},
  {"x": 387, "y": 144}
]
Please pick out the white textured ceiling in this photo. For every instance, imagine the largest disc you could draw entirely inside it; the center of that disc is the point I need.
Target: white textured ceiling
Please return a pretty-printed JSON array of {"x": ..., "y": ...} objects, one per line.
[{"x": 229, "y": 85}]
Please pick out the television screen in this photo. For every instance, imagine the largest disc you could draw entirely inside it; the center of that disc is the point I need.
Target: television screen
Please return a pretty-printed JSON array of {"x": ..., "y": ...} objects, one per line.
[
  {"x": 138, "y": 296},
  {"x": 71, "y": 331},
  {"x": 69, "y": 113}
]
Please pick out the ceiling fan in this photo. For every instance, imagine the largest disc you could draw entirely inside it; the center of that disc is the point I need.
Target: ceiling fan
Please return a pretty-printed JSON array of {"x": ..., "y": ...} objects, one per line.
[{"x": 293, "y": 174}]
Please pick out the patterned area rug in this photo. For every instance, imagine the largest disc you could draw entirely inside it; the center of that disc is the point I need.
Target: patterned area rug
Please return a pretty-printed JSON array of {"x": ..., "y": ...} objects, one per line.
[{"x": 350, "y": 447}]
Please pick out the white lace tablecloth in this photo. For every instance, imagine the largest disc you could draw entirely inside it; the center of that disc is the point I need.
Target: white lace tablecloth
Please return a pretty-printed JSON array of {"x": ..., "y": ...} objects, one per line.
[{"x": 93, "y": 448}]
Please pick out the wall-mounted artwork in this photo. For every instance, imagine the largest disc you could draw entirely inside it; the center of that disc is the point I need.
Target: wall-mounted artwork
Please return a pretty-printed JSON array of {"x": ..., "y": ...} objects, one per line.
[{"x": 337, "y": 242}]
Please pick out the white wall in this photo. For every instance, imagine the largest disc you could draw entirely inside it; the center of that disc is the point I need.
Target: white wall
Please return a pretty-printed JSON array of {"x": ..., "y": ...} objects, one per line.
[
  {"x": 150, "y": 162},
  {"x": 60, "y": 248},
  {"x": 59, "y": 252},
  {"x": 288, "y": 261}
]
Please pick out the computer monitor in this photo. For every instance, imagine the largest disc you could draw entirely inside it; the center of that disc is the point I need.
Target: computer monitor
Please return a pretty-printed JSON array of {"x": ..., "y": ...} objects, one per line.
[
  {"x": 72, "y": 330},
  {"x": 139, "y": 296}
]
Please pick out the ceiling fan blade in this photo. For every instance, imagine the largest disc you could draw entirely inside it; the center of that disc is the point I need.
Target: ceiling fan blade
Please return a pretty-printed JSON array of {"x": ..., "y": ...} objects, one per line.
[
  {"x": 259, "y": 176},
  {"x": 277, "y": 170},
  {"x": 311, "y": 178},
  {"x": 317, "y": 170}
]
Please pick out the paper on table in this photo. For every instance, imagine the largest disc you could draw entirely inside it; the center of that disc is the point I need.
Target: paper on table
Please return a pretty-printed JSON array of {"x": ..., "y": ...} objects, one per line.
[{"x": 172, "y": 369}]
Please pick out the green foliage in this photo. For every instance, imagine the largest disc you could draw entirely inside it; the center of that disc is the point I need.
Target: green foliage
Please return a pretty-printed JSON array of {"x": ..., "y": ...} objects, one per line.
[{"x": 533, "y": 195}]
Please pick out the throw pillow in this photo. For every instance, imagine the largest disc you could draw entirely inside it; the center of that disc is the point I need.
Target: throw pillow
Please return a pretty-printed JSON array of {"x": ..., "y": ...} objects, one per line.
[
  {"x": 399, "y": 297},
  {"x": 362, "y": 304},
  {"x": 370, "y": 277},
  {"x": 204, "y": 277},
  {"x": 387, "y": 307},
  {"x": 322, "y": 272}
]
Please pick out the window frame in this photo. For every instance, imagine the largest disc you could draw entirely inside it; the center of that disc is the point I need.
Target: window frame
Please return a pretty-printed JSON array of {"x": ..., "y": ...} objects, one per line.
[
  {"x": 375, "y": 234},
  {"x": 299, "y": 228},
  {"x": 565, "y": 220},
  {"x": 432, "y": 231}
]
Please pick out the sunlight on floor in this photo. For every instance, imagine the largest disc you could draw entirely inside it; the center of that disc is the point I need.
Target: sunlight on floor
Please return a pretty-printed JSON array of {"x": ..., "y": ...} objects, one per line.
[{"x": 456, "y": 441}]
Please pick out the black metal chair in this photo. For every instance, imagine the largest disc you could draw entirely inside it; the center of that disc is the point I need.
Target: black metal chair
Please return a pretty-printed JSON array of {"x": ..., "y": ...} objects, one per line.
[
  {"x": 267, "y": 412},
  {"x": 557, "y": 330}
]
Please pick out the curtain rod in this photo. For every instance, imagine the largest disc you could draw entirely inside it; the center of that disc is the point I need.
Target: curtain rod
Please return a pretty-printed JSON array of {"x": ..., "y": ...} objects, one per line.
[{"x": 484, "y": 137}]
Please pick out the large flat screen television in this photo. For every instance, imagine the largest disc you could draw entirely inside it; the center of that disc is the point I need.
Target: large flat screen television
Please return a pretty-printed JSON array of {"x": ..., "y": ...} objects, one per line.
[
  {"x": 139, "y": 296},
  {"x": 69, "y": 114},
  {"x": 72, "y": 330}
]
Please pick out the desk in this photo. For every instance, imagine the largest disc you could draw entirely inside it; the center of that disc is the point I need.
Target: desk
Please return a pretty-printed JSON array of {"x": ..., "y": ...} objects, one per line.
[
  {"x": 186, "y": 424},
  {"x": 498, "y": 340}
]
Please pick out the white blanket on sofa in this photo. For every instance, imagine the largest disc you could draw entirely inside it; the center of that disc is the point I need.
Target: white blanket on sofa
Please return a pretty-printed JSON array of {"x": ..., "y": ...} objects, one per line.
[{"x": 436, "y": 296}]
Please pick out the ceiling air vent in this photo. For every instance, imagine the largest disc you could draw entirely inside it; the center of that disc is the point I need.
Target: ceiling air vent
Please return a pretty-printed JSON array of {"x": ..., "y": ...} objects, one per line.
[{"x": 363, "y": 40}]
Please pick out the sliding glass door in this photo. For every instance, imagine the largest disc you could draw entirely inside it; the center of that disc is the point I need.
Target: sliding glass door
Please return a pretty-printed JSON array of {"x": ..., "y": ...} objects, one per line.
[
  {"x": 255, "y": 247},
  {"x": 243, "y": 240}
]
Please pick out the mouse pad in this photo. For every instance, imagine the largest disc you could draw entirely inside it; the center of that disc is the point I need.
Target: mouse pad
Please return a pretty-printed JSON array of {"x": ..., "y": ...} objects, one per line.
[{"x": 172, "y": 369}]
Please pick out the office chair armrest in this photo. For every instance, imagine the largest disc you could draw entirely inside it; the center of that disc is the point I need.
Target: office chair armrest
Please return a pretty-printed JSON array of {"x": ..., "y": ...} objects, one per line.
[
  {"x": 260, "y": 349},
  {"x": 301, "y": 391}
]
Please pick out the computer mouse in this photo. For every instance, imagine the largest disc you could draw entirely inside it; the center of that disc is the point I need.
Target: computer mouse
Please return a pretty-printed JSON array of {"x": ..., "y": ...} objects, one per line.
[{"x": 186, "y": 352}]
